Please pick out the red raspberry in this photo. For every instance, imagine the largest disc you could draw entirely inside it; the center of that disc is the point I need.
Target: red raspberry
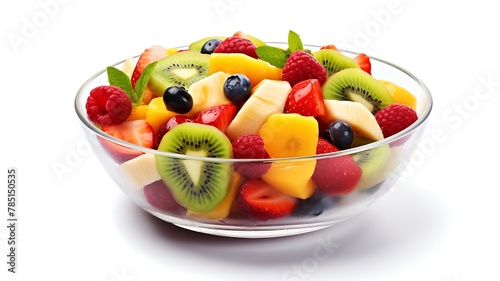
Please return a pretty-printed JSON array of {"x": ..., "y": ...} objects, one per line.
[
  {"x": 108, "y": 105},
  {"x": 235, "y": 44},
  {"x": 300, "y": 66},
  {"x": 250, "y": 146},
  {"x": 394, "y": 118}
]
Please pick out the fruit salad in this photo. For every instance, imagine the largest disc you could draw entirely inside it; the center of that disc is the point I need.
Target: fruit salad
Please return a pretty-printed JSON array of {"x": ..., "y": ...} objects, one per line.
[{"x": 253, "y": 130}]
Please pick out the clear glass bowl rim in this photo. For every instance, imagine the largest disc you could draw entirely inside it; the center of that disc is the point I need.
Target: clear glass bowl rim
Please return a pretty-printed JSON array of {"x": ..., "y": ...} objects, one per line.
[{"x": 81, "y": 113}]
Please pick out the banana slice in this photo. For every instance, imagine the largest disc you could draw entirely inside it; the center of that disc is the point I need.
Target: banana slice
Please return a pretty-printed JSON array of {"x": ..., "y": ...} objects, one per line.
[
  {"x": 128, "y": 66},
  {"x": 362, "y": 121},
  {"x": 140, "y": 171},
  {"x": 208, "y": 92},
  {"x": 268, "y": 97}
]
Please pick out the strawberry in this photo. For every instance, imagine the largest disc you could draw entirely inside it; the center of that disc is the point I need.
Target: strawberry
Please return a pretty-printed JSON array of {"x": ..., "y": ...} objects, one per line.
[
  {"x": 258, "y": 200},
  {"x": 237, "y": 44},
  {"x": 364, "y": 62},
  {"x": 152, "y": 54},
  {"x": 394, "y": 118},
  {"x": 337, "y": 175},
  {"x": 301, "y": 66},
  {"x": 137, "y": 132},
  {"x": 168, "y": 125},
  {"x": 158, "y": 195},
  {"x": 306, "y": 98},
  {"x": 218, "y": 116}
]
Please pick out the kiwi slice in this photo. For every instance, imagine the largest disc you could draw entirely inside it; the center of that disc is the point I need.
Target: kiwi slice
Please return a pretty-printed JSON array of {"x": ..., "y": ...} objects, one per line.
[
  {"x": 372, "y": 163},
  {"x": 179, "y": 69},
  {"x": 359, "y": 141},
  {"x": 354, "y": 84},
  {"x": 334, "y": 61},
  {"x": 198, "y": 185}
]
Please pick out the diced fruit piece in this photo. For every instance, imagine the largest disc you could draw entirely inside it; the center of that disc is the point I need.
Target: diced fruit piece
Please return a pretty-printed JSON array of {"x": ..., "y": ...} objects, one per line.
[
  {"x": 140, "y": 171},
  {"x": 267, "y": 98},
  {"x": 177, "y": 99},
  {"x": 159, "y": 196},
  {"x": 259, "y": 201},
  {"x": 356, "y": 115},
  {"x": 208, "y": 92},
  {"x": 137, "y": 132},
  {"x": 315, "y": 205},
  {"x": 236, "y": 44},
  {"x": 306, "y": 99},
  {"x": 340, "y": 134},
  {"x": 138, "y": 112},
  {"x": 237, "y": 88},
  {"x": 129, "y": 66},
  {"x": 290, "y": 135},
  {"x": 168, "y": 125},
  {"x": 354, "y": 84},
  {"x": 108, "y": 105},
  {"x": 219, "y": 116},
  {"x": 224, "y": 208},
  {"x": 301, "y": 66},
  {"x": 330, "y": 47},
  {"x": 395, "y": 118},
  {"x": 364, "y": 62},
  {"x": 400, "y": 94},
  {"x": 180, "y": 69},
  {"x": 256, "y": 70},
  {"x": 334, "y": 61},
  {"x": 210, "y": 45},
  {"x": 151, "y": 54},
  {"x": 158, "y": 113},
  {"x": 336, "y": 175},
  {"x": 250, "y": 146},
  {"x": 198, "y": 185},
  {"x": 372, "y": 162}
]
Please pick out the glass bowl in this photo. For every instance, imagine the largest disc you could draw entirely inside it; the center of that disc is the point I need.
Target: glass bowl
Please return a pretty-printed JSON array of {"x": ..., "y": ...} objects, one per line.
[{"x": 146, "y": 189}]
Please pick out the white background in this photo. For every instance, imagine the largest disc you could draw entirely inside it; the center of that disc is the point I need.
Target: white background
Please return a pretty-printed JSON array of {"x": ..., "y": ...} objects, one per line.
[{"x": 441, "y": 224}]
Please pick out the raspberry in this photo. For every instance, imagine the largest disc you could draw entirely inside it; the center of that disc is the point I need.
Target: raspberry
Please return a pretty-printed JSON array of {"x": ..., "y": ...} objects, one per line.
[
  {"x": 250, "y": 146},
  {"x": 300, "y": 66},
  {"x": 394, "y": 118},
  {"x": 108, "y": 105},
  {"x": 235, "y": 44}
]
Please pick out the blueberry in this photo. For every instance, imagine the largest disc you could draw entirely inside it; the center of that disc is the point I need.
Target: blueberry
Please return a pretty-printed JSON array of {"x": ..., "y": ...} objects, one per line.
[
  {"x": 315, "y": 205},
  {"x": 210, "y": 46},
  {"x": 177, "y": 99},
  {"x": 340, "y": 134},
  {"x": 237, "y": 88}
]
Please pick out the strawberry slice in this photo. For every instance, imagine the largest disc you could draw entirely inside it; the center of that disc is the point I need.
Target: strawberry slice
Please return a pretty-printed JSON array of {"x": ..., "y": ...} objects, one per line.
[
  {"x": 335, "y": 175},
  {"x": 364, "y": 62},
  {"x": 258, "y": 200},
  {"x": 306, "y": 98},
  {"x": 218, "y": 116},
  {"x": 137, "y": 132},
  {"x": 152, "y": 54}
]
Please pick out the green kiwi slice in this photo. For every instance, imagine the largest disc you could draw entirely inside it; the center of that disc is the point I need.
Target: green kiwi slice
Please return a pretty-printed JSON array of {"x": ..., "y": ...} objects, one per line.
[
  {"x": 334, "y": 61},
  {"x": 179, "y": 69},
  {"x": 197, "y": 185},
  {"x": 354, "y": 84},
  {"x": 372, "y": 163}
]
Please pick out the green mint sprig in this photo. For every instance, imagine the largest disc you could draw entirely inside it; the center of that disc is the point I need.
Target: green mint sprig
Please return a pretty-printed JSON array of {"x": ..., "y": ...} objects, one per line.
[
  {"x": 118, "y": 78},
  {"x": 277, "y": 56}
]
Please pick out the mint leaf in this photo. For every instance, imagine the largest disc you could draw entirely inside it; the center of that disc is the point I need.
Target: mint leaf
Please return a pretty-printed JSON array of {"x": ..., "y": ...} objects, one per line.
[
  {"x": 119, "y": 79},
  {"x": 142, "y": 82},
  {"x": 273, "y": 55},
  {"x": 294, "y": 42}
]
